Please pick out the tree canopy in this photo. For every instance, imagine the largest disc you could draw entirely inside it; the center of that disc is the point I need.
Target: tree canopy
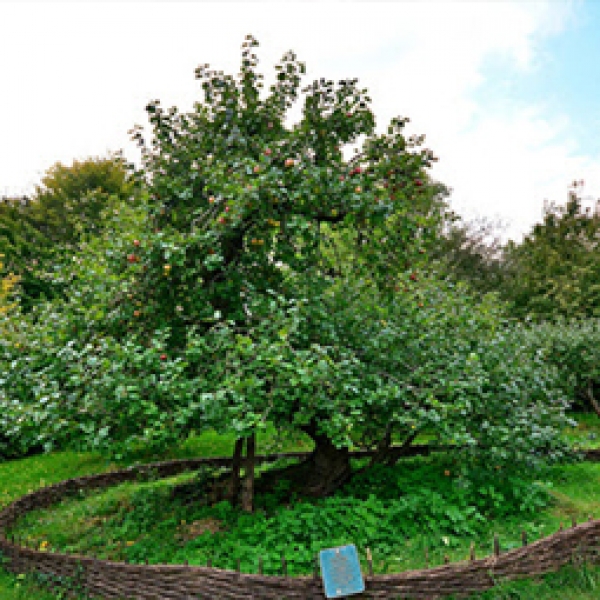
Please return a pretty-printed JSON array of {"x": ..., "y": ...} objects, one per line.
[
  {"x": 555, "y": 271},
  {"x": 276, "y": 272}
]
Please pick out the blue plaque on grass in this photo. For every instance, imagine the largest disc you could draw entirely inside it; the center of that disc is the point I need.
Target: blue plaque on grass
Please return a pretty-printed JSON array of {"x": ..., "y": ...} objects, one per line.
[{"x": 340, "y": 571}]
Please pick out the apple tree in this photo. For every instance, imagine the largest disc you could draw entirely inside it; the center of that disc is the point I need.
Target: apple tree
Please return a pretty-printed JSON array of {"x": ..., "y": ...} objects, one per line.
[{"x": 278, "y": 279}]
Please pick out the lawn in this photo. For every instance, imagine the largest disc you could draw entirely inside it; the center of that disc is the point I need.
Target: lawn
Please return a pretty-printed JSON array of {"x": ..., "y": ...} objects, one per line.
[{"x": 104, "y": 522}]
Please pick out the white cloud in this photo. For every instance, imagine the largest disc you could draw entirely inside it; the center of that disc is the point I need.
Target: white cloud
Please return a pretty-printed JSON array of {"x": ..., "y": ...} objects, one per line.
[{"x": 76, "y": 77}]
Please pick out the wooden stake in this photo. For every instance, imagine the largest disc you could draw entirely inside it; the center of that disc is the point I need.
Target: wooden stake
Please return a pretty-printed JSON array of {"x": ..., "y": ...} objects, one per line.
[
  {"x": 238, "y": 565},
  {"x": 260, "y": 565},
  {"x": 496, "y": 546},
  {"x": 236, "y": 464},
  {"x": 316, "y": 568},
  {"x": 370, "y": 562},
  {"x": 472, "y": 552},
  {"x": 446, "y": 559},
  {"x": 248, "y": 489},
  {"x": 524, "y": 538},
  {"x": 426, "y": 557},
  {"x": 208, "y": 563},
  {"x": 283, "y": 566},
  {"x": 573, "y": 522}
]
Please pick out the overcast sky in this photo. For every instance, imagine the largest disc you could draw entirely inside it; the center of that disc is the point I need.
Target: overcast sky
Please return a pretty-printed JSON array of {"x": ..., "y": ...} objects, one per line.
[{"x": 507, "y": 93}]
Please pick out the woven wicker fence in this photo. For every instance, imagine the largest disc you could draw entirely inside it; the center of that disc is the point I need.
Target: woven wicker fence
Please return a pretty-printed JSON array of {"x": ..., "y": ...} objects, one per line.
[{"x": 108, "y": 579}]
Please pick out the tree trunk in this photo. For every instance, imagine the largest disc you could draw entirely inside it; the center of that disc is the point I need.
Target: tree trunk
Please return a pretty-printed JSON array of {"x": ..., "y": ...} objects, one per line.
[
  {"x": 326, "y": 469},
  {"x": 248, "y": 489}
]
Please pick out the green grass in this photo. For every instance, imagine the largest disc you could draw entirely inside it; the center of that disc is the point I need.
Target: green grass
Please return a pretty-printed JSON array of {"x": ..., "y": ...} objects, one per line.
[{"x": 104, "y": 522}]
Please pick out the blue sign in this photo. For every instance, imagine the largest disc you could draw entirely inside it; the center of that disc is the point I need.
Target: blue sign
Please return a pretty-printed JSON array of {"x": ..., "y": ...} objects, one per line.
[{"x": 340, "y": 571}]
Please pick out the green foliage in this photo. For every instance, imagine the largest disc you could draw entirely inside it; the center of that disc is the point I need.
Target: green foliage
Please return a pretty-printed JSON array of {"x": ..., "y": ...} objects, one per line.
[
  {"x": 44, "y": 353},
  {"x": 38, "y": 235},
  {"x": 265, "y": 278},
  {"x": 471, "y": 252},
  {"x": 573, "y": 349},
  {"x": 382, "y": 509},
  {"x": 274, "y": 269},
  {"x": 70, "y": 198},
  {"x": 556, "y": 269}
]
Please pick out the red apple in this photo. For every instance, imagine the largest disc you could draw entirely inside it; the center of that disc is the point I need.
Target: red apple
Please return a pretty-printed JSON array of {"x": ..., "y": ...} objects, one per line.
[
  {"x": 418, "y": 183},
  {"x": 268, "y": 152},
  {"x": 256, "y": 169},
  {"x": 163, "y": 357},
  {"x": 131, "y": 258},
  {"x": 227, "y": 209},
  {"x": 136, "y": 242},
  {"x": 413, "y": 276}
]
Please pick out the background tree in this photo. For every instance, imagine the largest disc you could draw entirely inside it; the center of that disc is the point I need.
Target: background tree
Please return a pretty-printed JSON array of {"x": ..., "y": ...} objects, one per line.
[
  {"x": 555, "y": 271},
  {"x": 39, "y": 233},
  {"x": 471, "y": 252}
]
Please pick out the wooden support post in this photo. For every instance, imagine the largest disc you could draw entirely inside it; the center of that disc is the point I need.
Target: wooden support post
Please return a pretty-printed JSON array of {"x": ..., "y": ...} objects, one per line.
[
  {"x": 238, "y": 566},
  {"x": 283, "y": 566},
  {"x": 370, "y": 562},
  {"x": 496, "y": 545},
  {"x": 208, "y": 563},
  {"x": 236, "y": 464},
  {"x": 260, "y": 565},
  {"x": 248, "y": 486},
  {"x": 472, "y": 551},
  {"x": 446, "y": 559},
  {"x": 573, "y": 522},
  {"x": 524, "y": 538}
]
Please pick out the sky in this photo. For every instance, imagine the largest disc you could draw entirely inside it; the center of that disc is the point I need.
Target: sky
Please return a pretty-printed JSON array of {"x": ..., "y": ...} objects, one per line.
[{"x": 505, "y": 92}]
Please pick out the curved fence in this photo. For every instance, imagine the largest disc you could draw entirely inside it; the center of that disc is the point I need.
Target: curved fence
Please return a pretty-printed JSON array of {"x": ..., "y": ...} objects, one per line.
[{"x": 119, "y": 580}]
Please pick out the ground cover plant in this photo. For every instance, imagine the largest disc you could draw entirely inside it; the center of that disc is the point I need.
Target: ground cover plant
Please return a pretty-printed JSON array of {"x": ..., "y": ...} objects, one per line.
[{"x": 104, "y": 523}]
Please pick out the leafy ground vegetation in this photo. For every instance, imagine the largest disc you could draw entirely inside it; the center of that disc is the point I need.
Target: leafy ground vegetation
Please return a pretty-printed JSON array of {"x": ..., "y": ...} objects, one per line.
[
  {"x": 158, "y": 522},
  {"x": 260, "y": 282}
]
